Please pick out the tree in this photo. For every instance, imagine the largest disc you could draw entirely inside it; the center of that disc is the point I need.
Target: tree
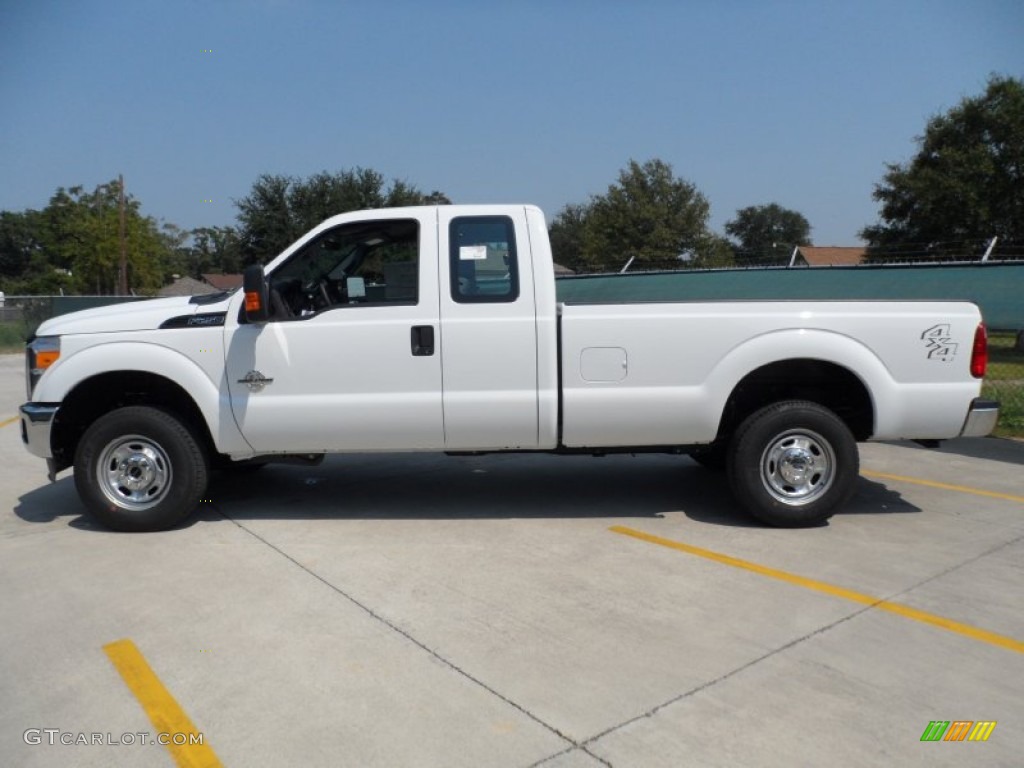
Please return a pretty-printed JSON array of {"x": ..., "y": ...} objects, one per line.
[
  {"x": 25, "y": 264},
  {"x": 19, "y": 242},
  {"x": 279, "y": 209},
  {"x": 769, "y": 232},
  {"x": 213, "y": 249},
  {"x": 82, "y": 236},
  {"x": 74, "y": 244},
  {"x": 965, "y": 182},
  {"x": 566, "y": 234},
  {"x": 649, "y": 216}
]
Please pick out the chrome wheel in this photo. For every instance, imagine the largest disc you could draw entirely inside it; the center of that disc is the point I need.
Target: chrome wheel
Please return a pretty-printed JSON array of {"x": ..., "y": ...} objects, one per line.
[
  {"x": 798, "y": 467},
  {"x": 133, "y": 472}
]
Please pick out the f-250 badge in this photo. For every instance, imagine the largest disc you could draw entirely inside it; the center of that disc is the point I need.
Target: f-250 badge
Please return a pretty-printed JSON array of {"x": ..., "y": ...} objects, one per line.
[{"x": 939, "y": 343}]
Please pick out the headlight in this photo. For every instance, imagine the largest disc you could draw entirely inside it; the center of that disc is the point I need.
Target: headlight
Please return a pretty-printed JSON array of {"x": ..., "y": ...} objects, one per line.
[{"x": 40, "y": 354}]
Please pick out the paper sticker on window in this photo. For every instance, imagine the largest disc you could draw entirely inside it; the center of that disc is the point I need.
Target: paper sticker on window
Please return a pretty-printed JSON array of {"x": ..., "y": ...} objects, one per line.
[{"x": 473, "y": 252}]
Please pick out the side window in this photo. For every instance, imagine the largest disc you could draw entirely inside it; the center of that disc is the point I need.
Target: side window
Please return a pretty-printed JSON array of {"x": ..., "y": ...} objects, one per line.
[
  {"x": 483, "y": 260},
  {"x": 369, "y": 263}
]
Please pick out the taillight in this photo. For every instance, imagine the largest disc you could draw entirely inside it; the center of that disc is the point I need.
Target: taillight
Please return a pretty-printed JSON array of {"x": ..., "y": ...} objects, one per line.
[{"x": 979, "y": 352}]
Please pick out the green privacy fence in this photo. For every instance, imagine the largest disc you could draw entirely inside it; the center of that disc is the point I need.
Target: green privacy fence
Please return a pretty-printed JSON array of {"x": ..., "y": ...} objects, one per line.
[{"x": 998, "y": 289}]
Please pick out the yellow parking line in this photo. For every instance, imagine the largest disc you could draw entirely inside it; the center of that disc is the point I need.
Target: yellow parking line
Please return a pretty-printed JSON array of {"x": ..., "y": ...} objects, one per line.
[
  {"x": 943, "y": 486},
  {"x": 161, "y": 708},
  {"x": 11, "y": 420},
  {"x": 829, "y": 589}
]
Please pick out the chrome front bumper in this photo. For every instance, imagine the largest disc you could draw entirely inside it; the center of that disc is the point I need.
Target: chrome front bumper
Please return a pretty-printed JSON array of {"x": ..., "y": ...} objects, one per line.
[
  {"x": 36, "y": 423},
  {"x": 981, "y": 418}
]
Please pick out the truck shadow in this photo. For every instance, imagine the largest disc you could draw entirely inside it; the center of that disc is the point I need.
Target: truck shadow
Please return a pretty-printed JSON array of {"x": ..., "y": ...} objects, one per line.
[
  {"x": 426, "y": 487},
  {"x": 500, "y": 487},
  {"x": 436, "y": 487},
  {"x": 870, "y": 498},
  {"x": 1000, "y": 449},
  {"x": 52, "y": 501}
]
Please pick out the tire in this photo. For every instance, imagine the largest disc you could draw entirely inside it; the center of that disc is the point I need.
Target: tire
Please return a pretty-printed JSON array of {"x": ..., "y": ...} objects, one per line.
[
  {"x": 140, "y": 469},
  {"x": 793, "y": 463}
]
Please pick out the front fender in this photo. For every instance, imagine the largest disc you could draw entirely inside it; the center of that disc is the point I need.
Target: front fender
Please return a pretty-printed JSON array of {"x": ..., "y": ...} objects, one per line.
[{"x": 211, "y": 397}]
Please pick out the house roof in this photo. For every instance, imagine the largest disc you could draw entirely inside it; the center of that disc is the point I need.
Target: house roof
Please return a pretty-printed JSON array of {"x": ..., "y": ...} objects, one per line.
[
  {"x": 186, "y": 286},
  {"x": 222, "y": 282},
  {"x": 832, "y": 256}
]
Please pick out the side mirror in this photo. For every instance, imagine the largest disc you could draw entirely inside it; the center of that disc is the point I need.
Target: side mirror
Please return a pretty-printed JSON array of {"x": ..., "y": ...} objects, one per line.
[{"x": 257, "y": 294}]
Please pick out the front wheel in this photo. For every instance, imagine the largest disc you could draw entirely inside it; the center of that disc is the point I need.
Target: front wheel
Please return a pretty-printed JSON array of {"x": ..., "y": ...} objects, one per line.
[
  {"x": 792, "y": 464},
  {"x": 140, "y": 469}
]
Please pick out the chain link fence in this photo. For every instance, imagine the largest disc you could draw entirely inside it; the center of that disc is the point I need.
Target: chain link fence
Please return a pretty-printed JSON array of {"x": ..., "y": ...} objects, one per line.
[
  {"x": 993, "y": 251},
  {"x": 21, "y": 315}
]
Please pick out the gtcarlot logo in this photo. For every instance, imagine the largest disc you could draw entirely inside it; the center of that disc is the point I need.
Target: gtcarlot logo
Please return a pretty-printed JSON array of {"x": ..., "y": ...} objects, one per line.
[
  {"x": 54, "y": 736},
  {"x": 958, "y": 730}
]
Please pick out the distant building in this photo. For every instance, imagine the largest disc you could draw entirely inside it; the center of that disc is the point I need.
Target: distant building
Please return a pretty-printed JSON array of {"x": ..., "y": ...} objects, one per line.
[
  {"x": 211, "y": 283},
  {"x": 829, "y": 256}
]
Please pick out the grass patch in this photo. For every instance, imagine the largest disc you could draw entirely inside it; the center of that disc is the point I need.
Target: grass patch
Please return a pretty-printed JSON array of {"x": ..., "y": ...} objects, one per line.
[
  {"x": 12, "y": 337},
  {"x": 1004, "y": 381},
  {"x": 1011, "y": 406},
  {"x": 1004, "y": 362}
]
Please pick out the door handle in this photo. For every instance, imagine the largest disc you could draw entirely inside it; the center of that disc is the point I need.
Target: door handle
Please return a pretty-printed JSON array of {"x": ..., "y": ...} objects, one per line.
[{"x": 422, "y": 340}]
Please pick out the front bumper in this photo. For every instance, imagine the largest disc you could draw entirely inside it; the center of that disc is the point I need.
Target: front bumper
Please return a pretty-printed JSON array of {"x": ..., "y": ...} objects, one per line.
[
  {"x": 36, "y": 423},
  {"x": 981, "y": 418}
]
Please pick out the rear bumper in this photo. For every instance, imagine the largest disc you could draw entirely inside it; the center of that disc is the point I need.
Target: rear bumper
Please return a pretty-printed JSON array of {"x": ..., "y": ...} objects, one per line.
[
  {"x": 981, "y": 418},
  {"x": 36, "y": 424}
]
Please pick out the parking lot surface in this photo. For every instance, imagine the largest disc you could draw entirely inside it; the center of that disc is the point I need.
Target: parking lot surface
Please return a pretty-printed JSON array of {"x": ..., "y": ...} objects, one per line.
[{"x": 514, "y": 610}]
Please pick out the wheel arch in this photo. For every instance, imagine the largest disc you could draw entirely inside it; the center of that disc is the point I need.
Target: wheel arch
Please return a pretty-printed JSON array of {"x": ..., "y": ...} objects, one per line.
[
  {"x": 95, "y": 380},
  {"x": 105, "y": 392},
  {"x": 827, "y": 368}
]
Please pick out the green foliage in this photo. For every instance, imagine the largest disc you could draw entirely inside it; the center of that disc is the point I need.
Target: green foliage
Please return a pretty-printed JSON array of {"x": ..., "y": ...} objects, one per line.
[
  {"x": 1004, "y": 382},
  {"x": 566, "y": 234},
  {"x": 649, "y": 215},
  {"x": 279, "y": 209},
  {"x": 85, "y": 238},
  {"x": 966, "y": 180},
  {"x": 768, "y": 233},
  {"x": 12, "y": 337},
  {"x": 212, "y": 249},
  {"x": 74, "y": 244}
]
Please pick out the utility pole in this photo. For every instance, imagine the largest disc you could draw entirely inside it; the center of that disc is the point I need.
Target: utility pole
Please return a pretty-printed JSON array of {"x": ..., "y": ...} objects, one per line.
[{"x": 122, "y": 283}]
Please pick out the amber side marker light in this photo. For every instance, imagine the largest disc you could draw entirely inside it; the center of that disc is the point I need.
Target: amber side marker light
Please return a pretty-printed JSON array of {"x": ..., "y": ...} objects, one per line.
[
  {"x": 252, "y": 302},
  {"x": 979, "y": 352},
  {"x": 45, "y": 358}
]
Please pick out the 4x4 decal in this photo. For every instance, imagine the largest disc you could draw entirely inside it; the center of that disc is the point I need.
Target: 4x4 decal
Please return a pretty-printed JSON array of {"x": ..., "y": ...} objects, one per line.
[{"x": 939, "y": 343}]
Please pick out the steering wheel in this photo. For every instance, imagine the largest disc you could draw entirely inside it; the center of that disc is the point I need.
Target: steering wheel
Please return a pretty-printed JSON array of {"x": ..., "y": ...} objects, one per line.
[
  {"x": 316, "y": 295},
  {"x": 324, "y": 293}
]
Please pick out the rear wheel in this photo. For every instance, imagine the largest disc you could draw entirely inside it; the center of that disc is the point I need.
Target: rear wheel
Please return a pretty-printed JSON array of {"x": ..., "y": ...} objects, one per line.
[
  {"x": 140, "y": 469},
  {"x": 793, "y": 463}
]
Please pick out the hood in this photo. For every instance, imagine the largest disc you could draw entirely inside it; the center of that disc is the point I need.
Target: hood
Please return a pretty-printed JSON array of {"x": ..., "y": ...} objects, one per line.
[{"x": 128, "y": 316}]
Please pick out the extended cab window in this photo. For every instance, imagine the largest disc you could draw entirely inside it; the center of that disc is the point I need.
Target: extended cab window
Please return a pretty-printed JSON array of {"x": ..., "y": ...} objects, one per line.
[
  {"x": 369, "y": 263},
  {"x": 483, "y": 259}
]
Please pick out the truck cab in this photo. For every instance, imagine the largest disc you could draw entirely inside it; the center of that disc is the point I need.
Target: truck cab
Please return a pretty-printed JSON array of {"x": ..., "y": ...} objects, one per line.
[{"x": 404, "y": 329}]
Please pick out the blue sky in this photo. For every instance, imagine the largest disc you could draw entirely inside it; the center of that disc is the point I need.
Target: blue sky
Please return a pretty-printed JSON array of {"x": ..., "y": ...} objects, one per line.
[{"x": 799, "y": 103}]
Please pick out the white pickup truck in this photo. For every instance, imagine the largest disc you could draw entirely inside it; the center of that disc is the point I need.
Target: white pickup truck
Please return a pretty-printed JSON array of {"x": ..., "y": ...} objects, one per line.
[{"x": 438, "y": 329}]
